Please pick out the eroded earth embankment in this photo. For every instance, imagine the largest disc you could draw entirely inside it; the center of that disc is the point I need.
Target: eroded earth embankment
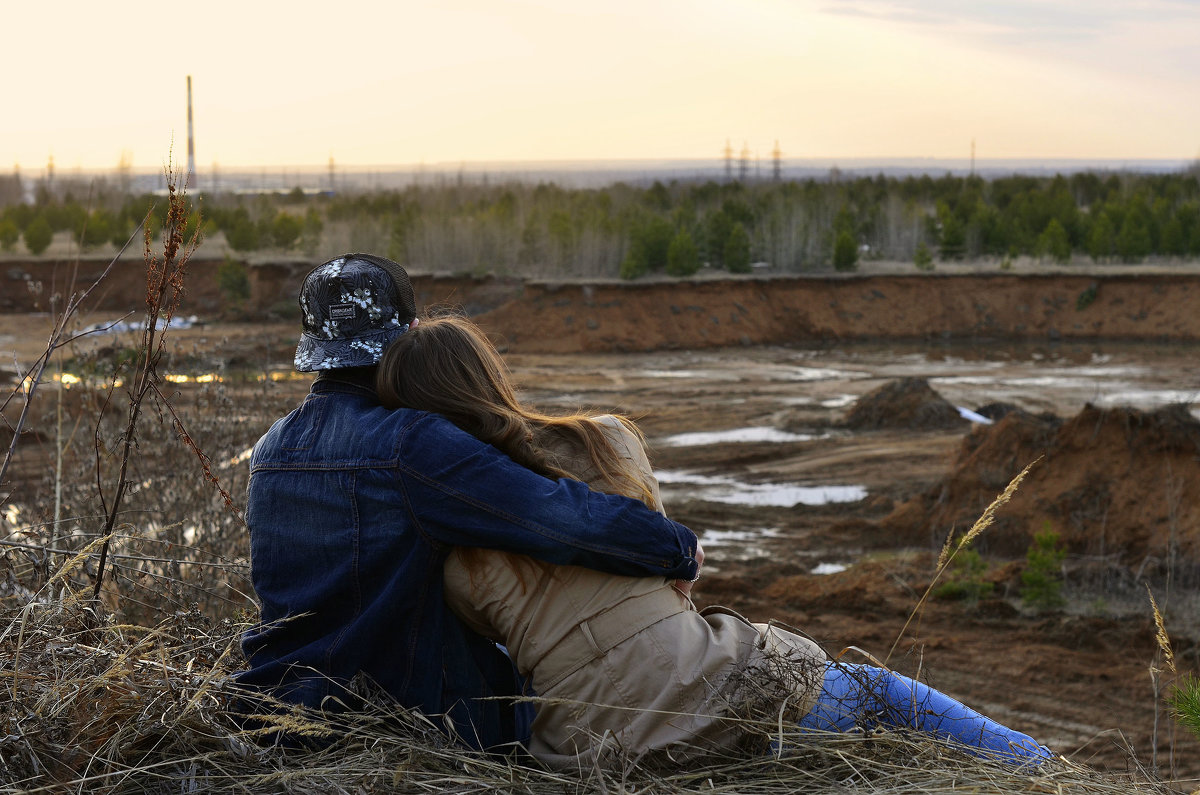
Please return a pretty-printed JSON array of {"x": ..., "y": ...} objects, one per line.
[{"x": 594, "y": 316}]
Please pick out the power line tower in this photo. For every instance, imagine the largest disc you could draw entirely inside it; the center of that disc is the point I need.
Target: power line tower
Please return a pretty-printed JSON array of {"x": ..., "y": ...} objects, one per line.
[
  {"x": 744, "y": 162},
  {"x": 125, "y": 172},
  {"x": 776, "y": 162},
  {"x": 191, "y": 172},
  {"x": 332, "y": 182},
  {"x": 728, "y": 161}
]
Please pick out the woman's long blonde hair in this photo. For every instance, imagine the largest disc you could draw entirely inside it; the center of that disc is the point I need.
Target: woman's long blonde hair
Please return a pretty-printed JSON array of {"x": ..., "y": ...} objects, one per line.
[{"x": 446, "y": 365}]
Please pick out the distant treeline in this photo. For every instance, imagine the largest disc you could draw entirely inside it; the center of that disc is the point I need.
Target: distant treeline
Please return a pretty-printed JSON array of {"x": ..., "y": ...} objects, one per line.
[{"x": 677, "y": 228}]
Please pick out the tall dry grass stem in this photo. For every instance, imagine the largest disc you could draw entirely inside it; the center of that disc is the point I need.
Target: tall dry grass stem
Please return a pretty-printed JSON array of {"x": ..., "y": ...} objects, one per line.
[
  {"x": 952, "y": 548},
  {"x": 1164, "y": 647},
  {"x": 164, "y": 288}
]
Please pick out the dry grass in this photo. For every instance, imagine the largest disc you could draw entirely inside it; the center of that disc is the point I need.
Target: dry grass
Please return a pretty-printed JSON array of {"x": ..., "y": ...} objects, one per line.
[
  {"x": 90, "y": 705},
  {"x": 140, "y": 699}
]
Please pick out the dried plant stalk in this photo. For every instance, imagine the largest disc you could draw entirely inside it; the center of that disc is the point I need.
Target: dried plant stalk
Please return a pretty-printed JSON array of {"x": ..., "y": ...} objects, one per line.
[{"x": 950, "y": 549}]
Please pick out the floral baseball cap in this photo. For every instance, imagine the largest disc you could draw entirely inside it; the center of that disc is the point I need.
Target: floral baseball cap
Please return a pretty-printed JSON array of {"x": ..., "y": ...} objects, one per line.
[{"x": 352, "y": 307}]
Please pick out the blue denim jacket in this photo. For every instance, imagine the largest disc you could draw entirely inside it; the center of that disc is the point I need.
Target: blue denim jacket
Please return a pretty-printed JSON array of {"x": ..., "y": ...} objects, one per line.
[{"x": 351, "y": 511}]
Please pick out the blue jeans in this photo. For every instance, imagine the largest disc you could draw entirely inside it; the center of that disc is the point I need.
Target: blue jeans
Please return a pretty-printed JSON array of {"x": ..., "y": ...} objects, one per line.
[{"x": 861, "y": 696}]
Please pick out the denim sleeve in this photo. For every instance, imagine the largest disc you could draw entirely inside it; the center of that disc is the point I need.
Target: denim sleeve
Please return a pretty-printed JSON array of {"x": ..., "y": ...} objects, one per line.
[{"x": 463, "y": 492}]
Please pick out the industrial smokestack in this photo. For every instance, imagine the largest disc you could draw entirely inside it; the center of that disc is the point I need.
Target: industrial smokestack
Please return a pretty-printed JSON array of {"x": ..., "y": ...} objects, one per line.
[{"x": 191, "y": 172}]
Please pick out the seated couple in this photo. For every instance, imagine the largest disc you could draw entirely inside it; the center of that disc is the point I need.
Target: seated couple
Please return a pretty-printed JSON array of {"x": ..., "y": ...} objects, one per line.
[{"x": 411, "y": 514}]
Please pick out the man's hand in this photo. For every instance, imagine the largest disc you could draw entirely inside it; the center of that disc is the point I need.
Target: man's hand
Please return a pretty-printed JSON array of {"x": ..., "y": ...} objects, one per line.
[{"x": 685, "y": 586}]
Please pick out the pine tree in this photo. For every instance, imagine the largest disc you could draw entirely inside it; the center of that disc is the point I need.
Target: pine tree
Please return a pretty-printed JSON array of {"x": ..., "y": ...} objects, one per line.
[
  {"x": 1133, "y": 241},
  {"x": 682, "y": 257},
  {"x": 38, "y": 235},
  {"x": 737, "y": 250},
  {"x": 285, "y": 230},
  {"x": 717, "y": 227},
  {"x": 1101, "y": 241},
  {"x": 922, "y": 257},
  {"x": 845, "y": 251},
  {"x": 9, "y": 234},
  {"x": 1054, "y": 243}
]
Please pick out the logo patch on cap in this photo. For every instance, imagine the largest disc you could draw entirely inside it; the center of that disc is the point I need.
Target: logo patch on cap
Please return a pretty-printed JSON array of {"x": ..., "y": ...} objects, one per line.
[{"x": 341, "y": 312}]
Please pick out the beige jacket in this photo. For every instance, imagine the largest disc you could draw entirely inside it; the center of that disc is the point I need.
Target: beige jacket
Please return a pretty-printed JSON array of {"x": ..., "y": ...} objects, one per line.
[{"x": 624, "y": 664}]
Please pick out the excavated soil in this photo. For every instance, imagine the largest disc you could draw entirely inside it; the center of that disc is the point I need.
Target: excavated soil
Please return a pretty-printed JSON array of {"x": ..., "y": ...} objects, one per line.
[
  {"x": 1110, "y": 482},
  {"x": 905, "y": 403},
  {"x": 836, "y": 463}
]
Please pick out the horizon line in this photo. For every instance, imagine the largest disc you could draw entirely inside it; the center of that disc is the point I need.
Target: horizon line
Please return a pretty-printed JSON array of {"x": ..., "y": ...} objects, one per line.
[{"x": 602, "y": 164}]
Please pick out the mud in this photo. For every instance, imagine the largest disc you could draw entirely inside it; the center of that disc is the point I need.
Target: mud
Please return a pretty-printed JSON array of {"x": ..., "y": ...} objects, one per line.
[
  {"x": 1118, "y": 479},
  {"x": 1076, "y": 677}
]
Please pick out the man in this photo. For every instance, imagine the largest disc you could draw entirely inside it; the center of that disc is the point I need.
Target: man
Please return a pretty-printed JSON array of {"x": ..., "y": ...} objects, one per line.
[{"x": 352, "y": 508}]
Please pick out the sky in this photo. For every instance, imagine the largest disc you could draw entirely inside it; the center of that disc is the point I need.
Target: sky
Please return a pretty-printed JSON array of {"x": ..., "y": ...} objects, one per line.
[{"x": 396, "y": 82}]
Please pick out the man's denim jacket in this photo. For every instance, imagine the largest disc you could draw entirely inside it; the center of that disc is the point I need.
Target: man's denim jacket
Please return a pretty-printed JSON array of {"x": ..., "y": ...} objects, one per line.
[{"x": 351, "y": 511}]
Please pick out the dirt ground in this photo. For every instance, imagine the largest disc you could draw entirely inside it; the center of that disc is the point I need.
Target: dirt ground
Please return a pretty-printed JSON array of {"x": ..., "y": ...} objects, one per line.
[
  {"x": 1077, "y": 677},
  {"x": 835, "y": 529}
]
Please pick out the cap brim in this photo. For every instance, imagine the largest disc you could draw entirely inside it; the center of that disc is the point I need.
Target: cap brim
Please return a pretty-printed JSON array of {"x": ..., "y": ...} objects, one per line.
[{"x": 314, "y": 353}]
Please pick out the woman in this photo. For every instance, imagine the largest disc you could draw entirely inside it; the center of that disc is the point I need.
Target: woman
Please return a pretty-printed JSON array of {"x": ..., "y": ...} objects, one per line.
[{"x": 628, "y": 664}]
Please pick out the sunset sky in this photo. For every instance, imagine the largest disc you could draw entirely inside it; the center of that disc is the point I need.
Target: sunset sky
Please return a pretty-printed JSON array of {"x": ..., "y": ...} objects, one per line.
[{"x": 398, "y": 82}]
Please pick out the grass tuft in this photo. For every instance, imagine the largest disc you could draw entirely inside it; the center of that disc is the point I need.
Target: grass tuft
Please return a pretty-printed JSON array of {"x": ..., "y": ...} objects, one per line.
[{"x": 96, "y": 706}]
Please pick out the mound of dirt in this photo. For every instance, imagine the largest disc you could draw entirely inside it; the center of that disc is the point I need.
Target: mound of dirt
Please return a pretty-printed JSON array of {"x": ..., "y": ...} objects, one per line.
[
  {"x": 1117, "y": 483},
  {"x": 906, "y": 403}
]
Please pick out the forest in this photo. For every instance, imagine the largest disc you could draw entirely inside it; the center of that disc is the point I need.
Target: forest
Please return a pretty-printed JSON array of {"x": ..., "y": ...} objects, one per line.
[{"x": 629, "y": 231}]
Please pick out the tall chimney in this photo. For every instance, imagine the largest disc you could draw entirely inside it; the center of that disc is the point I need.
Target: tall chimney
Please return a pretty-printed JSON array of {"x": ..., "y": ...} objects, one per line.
[{"x": 191, "y": 172}]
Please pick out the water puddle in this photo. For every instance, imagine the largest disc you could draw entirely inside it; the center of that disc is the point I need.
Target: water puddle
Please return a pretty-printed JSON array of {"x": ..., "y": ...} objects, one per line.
[
  {"x": 835, "y": 402},
  {"x": 69, "y": 380},
  {"x": 737, "y": 435},
  {"x": 1150, "y": 398},
  {"x": 815, "y": 374},
  {"x": 1104, "y": 390},
  {"x": 967, "y": 414},
  {"x": 839, "y": 402},
  {"x": 696, "y": 375},
  {"x": 204, "y": 378},
  {"x": 136, "y": 326},
  {"x": 1040, "y": 381},
  {"x": 728, "y": 491},
  {"x": 1114, "y": 371},
  {"x": 287, "y": 374},
  {"x": 721, "y": 538}
]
